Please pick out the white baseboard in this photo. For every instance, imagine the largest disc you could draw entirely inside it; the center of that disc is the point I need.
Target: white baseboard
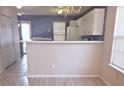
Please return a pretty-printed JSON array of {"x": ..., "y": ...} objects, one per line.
[
  {"x": 69, "y": 76},
  {"x": 105, "y": 81},
  {"x": 61, "y": 76}
]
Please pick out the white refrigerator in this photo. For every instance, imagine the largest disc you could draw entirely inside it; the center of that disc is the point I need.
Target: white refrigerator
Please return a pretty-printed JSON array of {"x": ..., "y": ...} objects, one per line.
[
  {"x": 73, "y": 34},
  {"x": 59, "y": 31}
]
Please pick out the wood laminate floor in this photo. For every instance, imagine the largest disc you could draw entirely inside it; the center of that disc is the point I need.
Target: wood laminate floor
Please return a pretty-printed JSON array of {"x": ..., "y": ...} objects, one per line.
[{"x": 16, "y": 75}]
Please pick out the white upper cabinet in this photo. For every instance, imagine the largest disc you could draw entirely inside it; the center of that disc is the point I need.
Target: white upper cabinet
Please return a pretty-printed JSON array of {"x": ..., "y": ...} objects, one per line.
[
  {"x": 91, "y": 23},
  {"x": 79, "y": 21},
  {"x": 98, "y": 21},
  {"x": 80, "y": 26},
  {"x": 73, "y": 23}
]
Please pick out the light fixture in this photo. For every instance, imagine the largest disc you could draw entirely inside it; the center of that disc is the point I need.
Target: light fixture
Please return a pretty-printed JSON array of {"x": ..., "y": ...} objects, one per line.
[
  {"x": 19, "y": 10},
  {"x": 60, "y": 11},
  {"x": 18, "y": 7},
  {"x": 19, "y": 25},
  {"x": 19, "y": 13},
  {"x": 66, "y": 10}
]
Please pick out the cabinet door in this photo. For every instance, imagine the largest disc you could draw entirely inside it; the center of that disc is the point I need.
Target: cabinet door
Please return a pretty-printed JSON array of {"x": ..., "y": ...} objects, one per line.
[
  {"x": 98, "y": 21},
  {"x": 79, "y": 22},
  {"x": 86, "y": 23},
  {"x": 73, "y": 23},
  {"x": 81, "y": 26},
  {"x": 89, "y": 23}
]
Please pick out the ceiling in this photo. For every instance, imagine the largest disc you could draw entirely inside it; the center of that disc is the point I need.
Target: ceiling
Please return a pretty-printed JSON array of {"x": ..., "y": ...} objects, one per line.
[{"x": 45, "y": 10}]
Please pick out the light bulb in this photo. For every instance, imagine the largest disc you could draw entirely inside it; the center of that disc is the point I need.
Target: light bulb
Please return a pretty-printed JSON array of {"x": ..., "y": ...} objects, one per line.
[
  {"x": 19, "y": 14},
  {"x": 19, "y": 25},
  {"x": 19, "y": 7},
  {"x": 60, "y": 11}
]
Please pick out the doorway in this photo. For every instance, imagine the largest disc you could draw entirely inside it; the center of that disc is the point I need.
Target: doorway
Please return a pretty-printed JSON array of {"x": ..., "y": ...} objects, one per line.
[{"x": 25, "y": 35}]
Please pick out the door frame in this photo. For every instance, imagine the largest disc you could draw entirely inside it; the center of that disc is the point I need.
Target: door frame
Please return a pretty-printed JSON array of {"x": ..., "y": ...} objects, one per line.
[
  {"x": 21, "y": 41},
  {"x": 29, "y": 22}
]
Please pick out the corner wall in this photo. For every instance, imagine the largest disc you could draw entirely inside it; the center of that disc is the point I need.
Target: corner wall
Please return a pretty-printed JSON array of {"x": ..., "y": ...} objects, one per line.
[{"x": 109, "y": 74}]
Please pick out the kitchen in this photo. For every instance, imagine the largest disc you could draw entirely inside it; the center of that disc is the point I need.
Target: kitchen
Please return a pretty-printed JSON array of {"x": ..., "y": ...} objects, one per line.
[
  {"x": 62, "y": 44},
  {"x": 87, "y": 25},
  {"x": 57, "y": 46}
]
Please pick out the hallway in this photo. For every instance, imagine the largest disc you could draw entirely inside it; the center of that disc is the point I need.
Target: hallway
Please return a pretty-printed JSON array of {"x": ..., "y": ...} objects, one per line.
[{"x": 15, "y": 75}]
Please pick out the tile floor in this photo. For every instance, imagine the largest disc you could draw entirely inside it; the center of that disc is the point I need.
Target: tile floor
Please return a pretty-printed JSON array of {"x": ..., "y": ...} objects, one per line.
[{"x": 16, "y": 75}]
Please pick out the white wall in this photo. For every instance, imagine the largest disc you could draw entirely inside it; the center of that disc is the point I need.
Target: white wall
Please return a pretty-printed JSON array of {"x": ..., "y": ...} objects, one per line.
[
  {"x": 111, "y": 75},
  {"x": 69, "y": 59},
  {"x": 1, "y": 70},
  {"x": 11, "y": 12},
  {"x": 9, "y": 37},
  {"x": 76, "y": 59}
]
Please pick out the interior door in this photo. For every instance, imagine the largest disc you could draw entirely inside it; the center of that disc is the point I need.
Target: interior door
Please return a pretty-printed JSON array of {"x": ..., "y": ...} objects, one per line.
[{"x": 24, "y": 34}]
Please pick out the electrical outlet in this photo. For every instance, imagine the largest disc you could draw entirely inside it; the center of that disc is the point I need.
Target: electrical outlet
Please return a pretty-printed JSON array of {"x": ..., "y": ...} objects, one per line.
[
  {"x": 48, "y": 30},
  {"x": 53, "y": 66}
]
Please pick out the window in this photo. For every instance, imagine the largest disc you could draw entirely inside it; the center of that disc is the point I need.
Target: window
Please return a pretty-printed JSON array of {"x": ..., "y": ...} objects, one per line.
[{"x": 117, "y": 58}]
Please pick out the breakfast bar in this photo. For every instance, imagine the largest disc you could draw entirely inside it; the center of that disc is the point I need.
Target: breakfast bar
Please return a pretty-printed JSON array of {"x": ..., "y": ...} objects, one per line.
[{"x": 64, "y": 58}]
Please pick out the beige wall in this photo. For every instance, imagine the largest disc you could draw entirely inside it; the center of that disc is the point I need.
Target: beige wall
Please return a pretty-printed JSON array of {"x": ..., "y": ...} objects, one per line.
[
  {"x": 9, "y": 37},
  {"x": 64, "y": 59},
  {"x": 11, "y": 12},
  {"x": 109, "y": 74}
]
